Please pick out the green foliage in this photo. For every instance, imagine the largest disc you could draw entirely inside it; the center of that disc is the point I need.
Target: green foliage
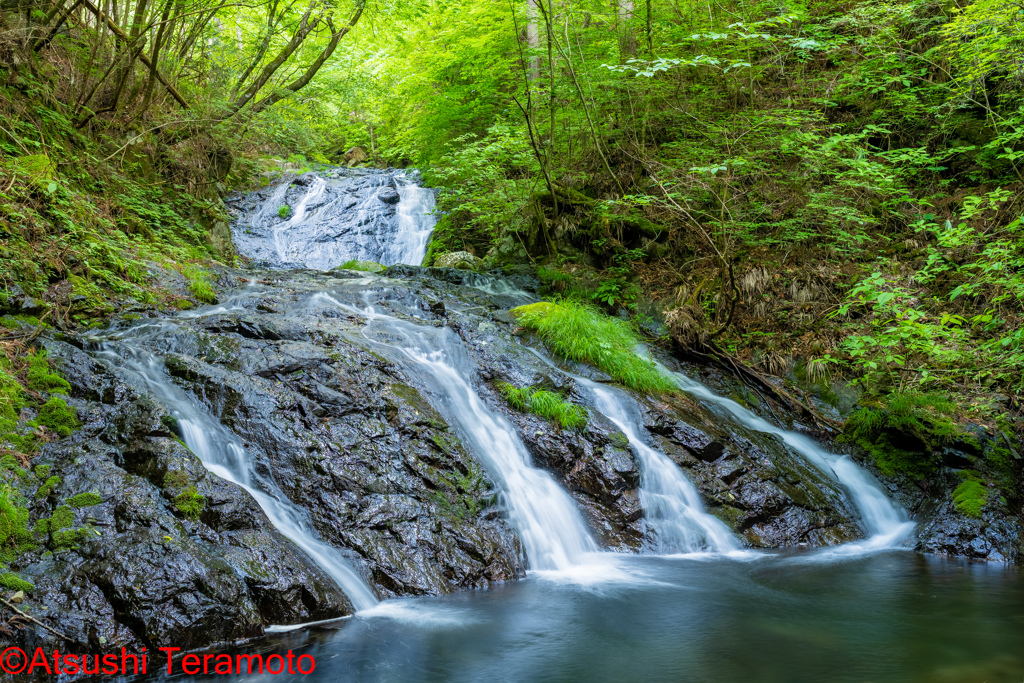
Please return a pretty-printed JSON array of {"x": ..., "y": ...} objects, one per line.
[
  {"x": 904, "y": 432},
  {"x": 56, "y": 415},
  {"x": 48, "y": 487},
  {"x": 971, "y": 495},
  {"x": 15, "y": 537},
  {"x": 546, "y": 404},
  {"x": 190, "y": 502},
  {"x": 87, "y": 499},
  {"x": 284, "y": 211},
  {"x": 582, "y": 334}
]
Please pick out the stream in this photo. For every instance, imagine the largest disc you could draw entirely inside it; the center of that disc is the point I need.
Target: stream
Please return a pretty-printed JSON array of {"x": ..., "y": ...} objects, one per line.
[{"x": 630, "y": 571}]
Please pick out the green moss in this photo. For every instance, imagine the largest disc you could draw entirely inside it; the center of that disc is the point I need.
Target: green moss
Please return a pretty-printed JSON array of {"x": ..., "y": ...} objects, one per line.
[
  {"x": 176, "y": 479},
  {"x": 284, "y": 211},
  {"x": 15, "y": 537},
  {"x": 366, "y": 266},
  {"x": 48, "y": 487},
  {"x": 42, "y": 472},
  {"x": 971, "y": 495},
  {"x": 580, "y": 333},
  {"x": 904, "y": 432},
  {"x": 199, "y": 285},
  {"x": 15, "y": 583},
  {"x": 546, "y": 404},
  {"x": 83, "y": 500},
  {"x": 42, "y": 378},
  {"x": 190, "y": 502},
  {"x": 56, "y": 415},
  {"x": 68, "y": 538},
  {"x": 619, "y": 440}
]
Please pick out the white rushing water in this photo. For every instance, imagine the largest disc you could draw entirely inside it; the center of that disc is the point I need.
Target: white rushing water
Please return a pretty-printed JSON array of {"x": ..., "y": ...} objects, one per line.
[
  {"x": 223, "y": 454},
  {"x": 381, "y": 216},
  {"x": 415, "y": 224},
  {"x": 298, "y": 215},
  {"x": 553, "y": 532},
  {"x": 886, "y": 524},
  {"x": 673, "y": 510}
]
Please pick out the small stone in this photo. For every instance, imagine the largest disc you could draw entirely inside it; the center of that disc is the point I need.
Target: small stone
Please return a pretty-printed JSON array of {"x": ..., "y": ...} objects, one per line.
[{"x": 18, "y": 597}]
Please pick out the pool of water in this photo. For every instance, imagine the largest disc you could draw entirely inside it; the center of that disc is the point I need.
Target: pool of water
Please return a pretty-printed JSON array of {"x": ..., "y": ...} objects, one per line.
[{"x": 895, "y": 616}]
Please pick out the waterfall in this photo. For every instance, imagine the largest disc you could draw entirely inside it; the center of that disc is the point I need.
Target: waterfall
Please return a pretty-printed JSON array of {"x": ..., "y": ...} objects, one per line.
[
  {"x": 342, "y": 215},
  {"x": 552, "y": 530},
  {"x": 315, "y": 192},
  {"x": 673, "y": 510},
  {"x": 223, "y": 454},
  {"x": 886, "y": 524},
  {"x": 415, "y": 223}
]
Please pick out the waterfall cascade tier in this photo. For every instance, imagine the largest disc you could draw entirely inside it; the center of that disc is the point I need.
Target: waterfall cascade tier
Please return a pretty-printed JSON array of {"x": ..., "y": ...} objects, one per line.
[
  {"x": 673, "y": 511},
  {"x": 223, "y": 454},
  {"x": 886, "y": 524},
  {"x": 553, "y": 532},
  {"x": 321, "y": 221}
]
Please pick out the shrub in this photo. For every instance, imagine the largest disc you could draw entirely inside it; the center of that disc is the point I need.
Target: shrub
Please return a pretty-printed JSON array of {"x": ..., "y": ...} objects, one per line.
[{"x": 580, "y": 333}]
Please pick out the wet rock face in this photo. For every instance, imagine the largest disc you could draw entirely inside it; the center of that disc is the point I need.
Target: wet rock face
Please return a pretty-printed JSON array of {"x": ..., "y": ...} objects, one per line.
[
  {"x": 378, "y": 469},
  {"x": 751, "y": 481},
  {"x": 358, "y": 441},
  {"x": 141, "y": 572},
  {"x": 322, "y": 220},
  {"x": 942, "y": 529}
]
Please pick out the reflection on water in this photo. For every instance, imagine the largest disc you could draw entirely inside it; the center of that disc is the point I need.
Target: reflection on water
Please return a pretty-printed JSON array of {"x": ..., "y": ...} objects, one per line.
[{"x": 889, "y": 617}]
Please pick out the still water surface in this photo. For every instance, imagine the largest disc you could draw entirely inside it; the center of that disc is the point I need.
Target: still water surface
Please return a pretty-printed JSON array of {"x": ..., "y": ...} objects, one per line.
[{"x": 894, "y": 616}]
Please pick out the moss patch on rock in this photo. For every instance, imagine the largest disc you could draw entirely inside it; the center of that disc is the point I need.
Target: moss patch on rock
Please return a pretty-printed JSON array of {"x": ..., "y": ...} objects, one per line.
[{"x": 971, "y": 495}]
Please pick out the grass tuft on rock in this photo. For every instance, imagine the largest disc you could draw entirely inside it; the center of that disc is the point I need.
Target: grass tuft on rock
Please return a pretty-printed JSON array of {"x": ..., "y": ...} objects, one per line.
[
  {"x": 199, "y": 285},
  {"x": 190, "y": 502},
  {"x": 546, "y": 404},
  {"x": 14, "y": 582},
  {"x": 581, "y": 333},
  {"x": 363, "y": 266}
]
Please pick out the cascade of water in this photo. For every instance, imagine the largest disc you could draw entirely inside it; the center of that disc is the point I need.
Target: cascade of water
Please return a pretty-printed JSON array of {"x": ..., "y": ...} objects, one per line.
[
  {"x": 673, "y": 510},
  {"x": 886, "y": 524},
  {"x": 223, "y": 454},
  {"x": 415, "y": 223},
  {"x": 314, "y": 193},
  {"x": 551, "y": 527}
]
